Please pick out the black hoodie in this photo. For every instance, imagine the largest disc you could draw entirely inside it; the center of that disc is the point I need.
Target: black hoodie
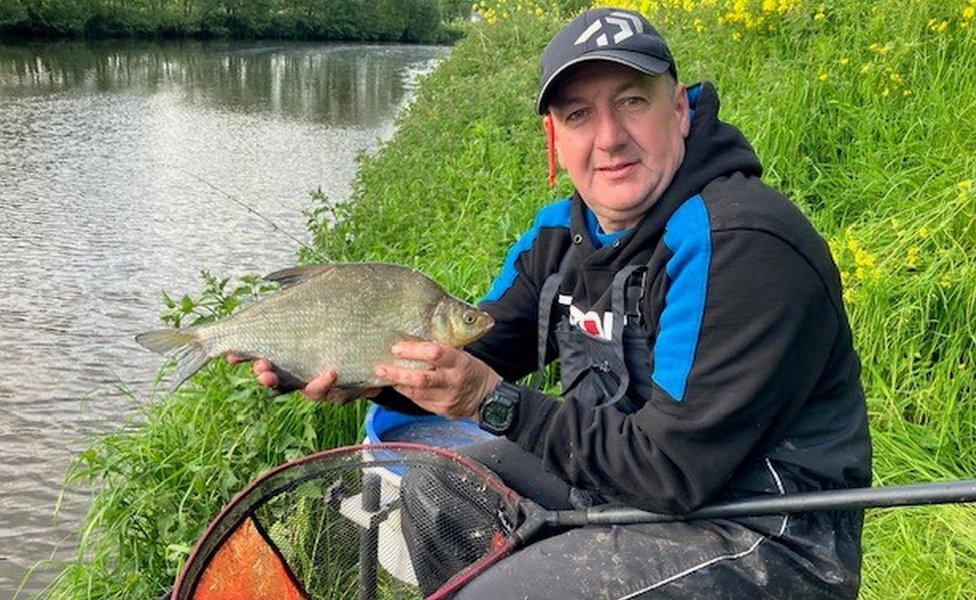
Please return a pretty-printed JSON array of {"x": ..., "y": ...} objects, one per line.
[{"x": 752, "y": 358}]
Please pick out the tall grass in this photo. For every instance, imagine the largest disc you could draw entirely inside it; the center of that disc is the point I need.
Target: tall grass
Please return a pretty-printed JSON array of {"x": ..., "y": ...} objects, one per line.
[{"x": 863, "y": 113}]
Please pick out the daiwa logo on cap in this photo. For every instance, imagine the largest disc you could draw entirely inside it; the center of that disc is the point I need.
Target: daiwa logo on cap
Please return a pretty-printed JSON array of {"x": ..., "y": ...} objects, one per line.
[
  {"x": 609, "y": 34},
  {"x": 621, "y": 20}
]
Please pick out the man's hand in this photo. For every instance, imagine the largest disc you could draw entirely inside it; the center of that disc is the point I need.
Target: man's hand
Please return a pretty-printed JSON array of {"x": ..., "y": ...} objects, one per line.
[
  {"x": 315, "y": 389},
  {"x": 455, "y": 386}
]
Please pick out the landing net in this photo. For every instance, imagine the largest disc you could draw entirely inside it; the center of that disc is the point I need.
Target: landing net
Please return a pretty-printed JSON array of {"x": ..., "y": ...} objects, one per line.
[{"x": 374, "y": 522}]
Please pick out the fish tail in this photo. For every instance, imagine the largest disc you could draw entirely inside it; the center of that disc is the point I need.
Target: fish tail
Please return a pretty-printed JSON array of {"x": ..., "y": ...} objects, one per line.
[{"x": 183, "y": 345}]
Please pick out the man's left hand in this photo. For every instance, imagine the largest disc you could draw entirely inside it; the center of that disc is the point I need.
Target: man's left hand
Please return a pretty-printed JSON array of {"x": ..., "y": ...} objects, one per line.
[{"x": 453, "y": 388}]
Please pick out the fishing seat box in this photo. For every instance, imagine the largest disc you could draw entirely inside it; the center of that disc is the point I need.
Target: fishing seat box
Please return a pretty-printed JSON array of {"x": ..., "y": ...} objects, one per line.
[{"x": 386, "y": 425}]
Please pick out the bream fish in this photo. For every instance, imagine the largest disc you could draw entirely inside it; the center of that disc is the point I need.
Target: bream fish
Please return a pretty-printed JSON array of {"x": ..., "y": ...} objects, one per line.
[{"x": 345, "y": 316}]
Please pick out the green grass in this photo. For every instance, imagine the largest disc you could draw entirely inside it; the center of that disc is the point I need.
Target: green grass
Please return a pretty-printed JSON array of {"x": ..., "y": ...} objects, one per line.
[
  {"x": 160, "y": 481},
  {"x": 878, "y": 173}
]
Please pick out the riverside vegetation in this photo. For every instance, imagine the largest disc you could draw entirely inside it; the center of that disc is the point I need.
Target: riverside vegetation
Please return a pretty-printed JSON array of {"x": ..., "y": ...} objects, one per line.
[
  {"x": 862, "y": 112},
  {"x": 361, "y": 20}
]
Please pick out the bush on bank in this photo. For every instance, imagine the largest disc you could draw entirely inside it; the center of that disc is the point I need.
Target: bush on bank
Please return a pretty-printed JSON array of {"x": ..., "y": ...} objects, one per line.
[
  {"x": 859, "y": 113},
  {"x": 420, "y": 21}
]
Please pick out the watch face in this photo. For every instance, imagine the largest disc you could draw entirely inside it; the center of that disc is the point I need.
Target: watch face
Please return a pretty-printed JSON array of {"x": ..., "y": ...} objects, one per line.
[
  {"x": 496, "y": 414},
  {"x": 499, "y": 409}
]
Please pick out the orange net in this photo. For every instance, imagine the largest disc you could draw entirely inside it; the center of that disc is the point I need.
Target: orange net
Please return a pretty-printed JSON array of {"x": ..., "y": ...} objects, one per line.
[{"x": 247, "y": 568}]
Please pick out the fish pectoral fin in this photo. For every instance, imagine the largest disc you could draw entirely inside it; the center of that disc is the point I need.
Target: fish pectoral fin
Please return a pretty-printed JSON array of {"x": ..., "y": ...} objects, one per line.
[
  {"x": 287, "y": 381},
  {"x": 343, "y": 395},
  {"x": 295, "y": 275},
  {"x": 403, "y": 336}
]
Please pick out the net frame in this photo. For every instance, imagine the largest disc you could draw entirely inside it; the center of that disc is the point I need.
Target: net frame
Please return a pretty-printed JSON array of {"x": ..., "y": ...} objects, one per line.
[{"x": 292, "y": 474}]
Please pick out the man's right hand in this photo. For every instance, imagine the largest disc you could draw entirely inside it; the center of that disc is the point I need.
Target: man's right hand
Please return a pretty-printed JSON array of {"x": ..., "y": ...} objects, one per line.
[{"x": 316, "y": 389}]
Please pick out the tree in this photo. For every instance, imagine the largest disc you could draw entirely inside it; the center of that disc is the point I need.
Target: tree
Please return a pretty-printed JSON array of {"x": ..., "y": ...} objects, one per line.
[{"x": 423, "y": 21}]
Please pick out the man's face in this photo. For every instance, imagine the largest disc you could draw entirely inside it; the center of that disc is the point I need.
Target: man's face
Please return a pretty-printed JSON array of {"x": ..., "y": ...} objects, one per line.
[{"x": 620, "y": 135}]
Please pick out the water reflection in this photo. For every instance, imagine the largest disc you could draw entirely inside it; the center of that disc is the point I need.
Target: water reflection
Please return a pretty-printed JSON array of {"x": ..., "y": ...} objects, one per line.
[
  {"x": 98, "y": 215},
  {"x": 340, "y": 84}
]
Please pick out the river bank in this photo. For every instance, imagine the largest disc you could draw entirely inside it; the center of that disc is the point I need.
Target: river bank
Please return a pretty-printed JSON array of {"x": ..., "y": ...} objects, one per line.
[{"x": 833, "y": 98}]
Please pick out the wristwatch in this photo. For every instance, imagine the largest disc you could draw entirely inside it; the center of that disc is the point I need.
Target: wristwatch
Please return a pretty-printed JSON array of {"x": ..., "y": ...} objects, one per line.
[{"x": 498, "y": 410}]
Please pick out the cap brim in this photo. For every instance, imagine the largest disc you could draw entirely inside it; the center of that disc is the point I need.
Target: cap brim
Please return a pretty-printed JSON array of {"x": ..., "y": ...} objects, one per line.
[{"x": 635, "y": 60}]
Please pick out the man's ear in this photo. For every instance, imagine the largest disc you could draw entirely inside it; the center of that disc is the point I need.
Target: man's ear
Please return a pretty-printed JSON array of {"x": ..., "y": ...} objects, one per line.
[{"x": 682, "y": 108}]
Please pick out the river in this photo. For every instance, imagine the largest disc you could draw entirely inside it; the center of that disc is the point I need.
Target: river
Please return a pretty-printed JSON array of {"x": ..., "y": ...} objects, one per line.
[{"x": 116, "y": 162}]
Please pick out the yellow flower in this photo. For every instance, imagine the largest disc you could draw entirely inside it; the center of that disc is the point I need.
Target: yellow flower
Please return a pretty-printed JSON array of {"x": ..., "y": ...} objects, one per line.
[
  {"x": 864, "y": 259},
  {"x": 879, "y": 49},
  {"x": 968, "y": 13},
  {"x": 945, "y": 281},
  {"x": 844, "y": 61},
  {"x": 823, "y": 76},
  {"x": 906, "y": 92},
  {"x": 834, "y": 251},
  {"x": 885, "y": 92},
  {"x": 819, "y": 16},
  {"x": 865, "y": 68},
  {"x": 736, "y": 36},
  {"x": 913, "y": 257},
  {"x": 964, "y": 189},
  {"x": 924, "y": 232}
]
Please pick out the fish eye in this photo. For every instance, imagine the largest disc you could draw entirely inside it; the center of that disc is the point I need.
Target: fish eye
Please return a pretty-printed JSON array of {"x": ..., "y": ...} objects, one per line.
[{"x": 468, "y": 318}]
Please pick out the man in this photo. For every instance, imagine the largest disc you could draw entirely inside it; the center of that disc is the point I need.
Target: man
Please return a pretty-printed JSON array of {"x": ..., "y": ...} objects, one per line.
[{"x": 704, "y": 350}]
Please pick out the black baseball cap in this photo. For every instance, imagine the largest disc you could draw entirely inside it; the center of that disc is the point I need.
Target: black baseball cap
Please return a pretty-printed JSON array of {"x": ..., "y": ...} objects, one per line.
[{"x": 613, "y": 34}]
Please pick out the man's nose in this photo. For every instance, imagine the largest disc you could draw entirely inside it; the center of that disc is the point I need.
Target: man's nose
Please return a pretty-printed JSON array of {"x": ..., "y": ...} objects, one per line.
[{"x": 611, "y": 133}]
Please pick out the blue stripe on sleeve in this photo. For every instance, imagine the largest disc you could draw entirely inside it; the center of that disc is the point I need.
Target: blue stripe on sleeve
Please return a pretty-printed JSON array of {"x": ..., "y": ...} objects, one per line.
[
  {"x": 556, "y": 214},
  {"x": 688, "y": 236}
]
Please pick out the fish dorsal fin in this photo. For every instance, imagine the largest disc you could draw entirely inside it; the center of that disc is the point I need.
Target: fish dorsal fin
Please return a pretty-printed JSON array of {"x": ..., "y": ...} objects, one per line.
[{"x": 295, "y": 275}]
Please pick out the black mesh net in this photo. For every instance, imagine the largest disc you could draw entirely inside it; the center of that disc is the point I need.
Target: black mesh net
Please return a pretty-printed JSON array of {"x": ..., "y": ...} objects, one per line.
[{"x": 381, "y": 521}]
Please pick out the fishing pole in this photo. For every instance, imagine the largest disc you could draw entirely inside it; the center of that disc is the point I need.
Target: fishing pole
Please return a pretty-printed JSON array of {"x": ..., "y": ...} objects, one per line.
[
  {"x": 321, "y": 257},
  {"x": 536, "y": 519},
  {"x": 944, "y": 492}
]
